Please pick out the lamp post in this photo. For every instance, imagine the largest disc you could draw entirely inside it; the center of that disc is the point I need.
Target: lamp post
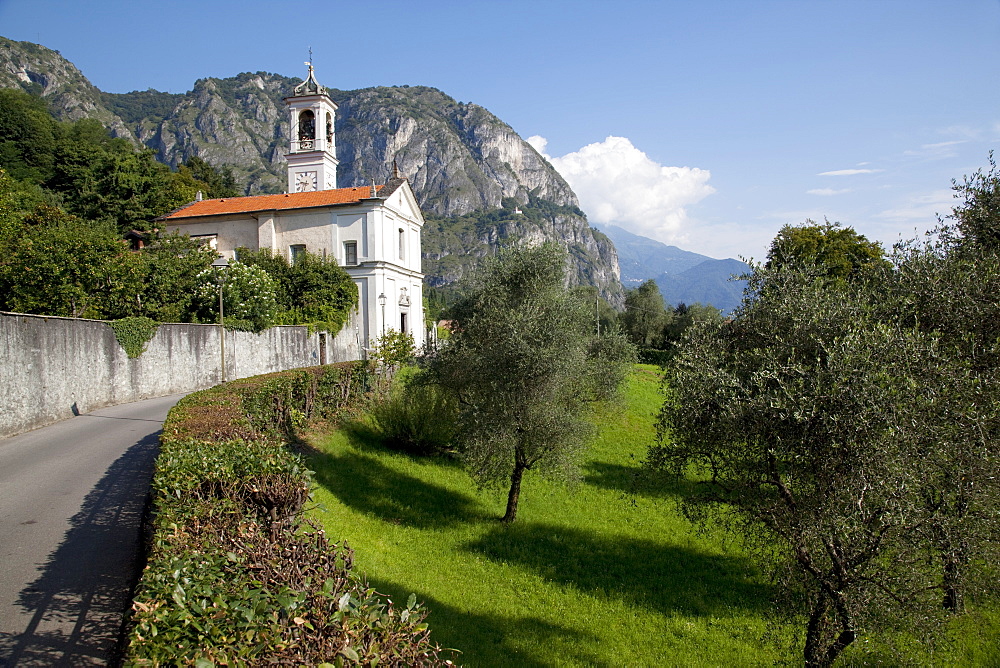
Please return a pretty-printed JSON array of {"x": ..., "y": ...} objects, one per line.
[
  {"x": 220, "y": 265},
  {"x": 381, "y": 302}
]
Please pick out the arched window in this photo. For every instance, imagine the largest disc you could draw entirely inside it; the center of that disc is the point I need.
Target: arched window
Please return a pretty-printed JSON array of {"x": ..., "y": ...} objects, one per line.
[
  {"x": 329, "y": 128},
  {"x": 307, "y": 125}
]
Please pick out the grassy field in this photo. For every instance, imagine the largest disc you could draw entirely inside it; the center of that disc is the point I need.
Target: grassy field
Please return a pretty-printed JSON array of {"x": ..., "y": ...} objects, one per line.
[{"x": 605, "y": 572}]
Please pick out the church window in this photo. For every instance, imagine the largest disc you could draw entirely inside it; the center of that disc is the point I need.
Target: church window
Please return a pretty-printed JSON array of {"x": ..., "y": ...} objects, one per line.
[
  {"x": 402, "y": 244},
  {"x": 329, "y": 129},
  {"x": 210, "y": 240},
  {"x": 350, "y": 252},
  {"x": 295, "y": 252}
]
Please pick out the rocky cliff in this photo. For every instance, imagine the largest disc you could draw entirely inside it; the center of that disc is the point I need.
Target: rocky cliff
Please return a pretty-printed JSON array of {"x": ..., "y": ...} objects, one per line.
[{"x": 461, "y": 160}]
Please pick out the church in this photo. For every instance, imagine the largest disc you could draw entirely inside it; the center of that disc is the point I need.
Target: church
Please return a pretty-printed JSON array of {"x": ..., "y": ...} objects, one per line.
[{"x": 372, "y": 231}]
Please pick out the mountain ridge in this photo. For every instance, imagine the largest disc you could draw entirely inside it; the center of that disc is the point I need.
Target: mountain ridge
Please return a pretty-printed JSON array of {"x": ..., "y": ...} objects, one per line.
[
  {"x": 682, "y": 276},
  {"x": 459, "y": 158}
]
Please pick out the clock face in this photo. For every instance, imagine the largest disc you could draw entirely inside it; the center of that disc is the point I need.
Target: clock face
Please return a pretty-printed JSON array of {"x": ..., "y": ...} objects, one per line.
[{"x": 305, "y": 182}]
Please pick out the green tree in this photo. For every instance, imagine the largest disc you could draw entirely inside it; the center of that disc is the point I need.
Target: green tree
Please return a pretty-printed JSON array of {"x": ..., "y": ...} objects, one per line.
[
  {"x": 214, "y": 182},
  {"x": 810, "y": 420},
  {"x": 248, "y": 297},
  {"x": 947, "y": 287},
  {"x": 313, "y": 291},
  {"x": 645, "y": 315},
  {"x": 684, "y": 316},
  {"x": 603, "y": 314},
  {"x": 105, "y": 179},
  {"x": 174, "y": 265},
  {"x": 523, "y": 361},
  {"x": 52, "y": 263},
  {"x": 978, "y": 215},
  {"x": 27, "y": 136},
  {"x": 840, "y": 251}
]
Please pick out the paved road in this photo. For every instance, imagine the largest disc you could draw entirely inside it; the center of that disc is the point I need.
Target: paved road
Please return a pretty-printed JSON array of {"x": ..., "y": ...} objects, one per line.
[{"x": 71, "y": 502}]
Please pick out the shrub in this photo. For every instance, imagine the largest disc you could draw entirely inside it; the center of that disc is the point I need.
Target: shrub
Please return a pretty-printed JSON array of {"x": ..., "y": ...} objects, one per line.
[
  {"x": 419, "y": 418},
  {"x": 234, "y": 575},
  {"x": 654, "y": 356},
  {"x": 248, "y": 296}
]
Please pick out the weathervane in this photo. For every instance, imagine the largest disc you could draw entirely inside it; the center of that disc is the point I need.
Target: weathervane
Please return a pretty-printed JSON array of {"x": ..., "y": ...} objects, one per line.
[{"x": 310, "y": 62}]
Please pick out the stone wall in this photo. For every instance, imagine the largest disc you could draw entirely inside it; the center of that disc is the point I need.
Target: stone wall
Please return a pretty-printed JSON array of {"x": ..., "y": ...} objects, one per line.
[{"x": 53, "y": 368}]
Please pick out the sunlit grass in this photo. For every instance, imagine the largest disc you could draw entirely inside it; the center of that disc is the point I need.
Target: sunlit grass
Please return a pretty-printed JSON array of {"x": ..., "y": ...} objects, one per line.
[{"x": 606, "y": 572}]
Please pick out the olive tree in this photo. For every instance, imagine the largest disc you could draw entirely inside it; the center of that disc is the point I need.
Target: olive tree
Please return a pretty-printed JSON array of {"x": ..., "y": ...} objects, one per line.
[
  {"x": 816, "y": 423},
  {"x": 523, "y": 362},
  {"x": 946, "y": 286}
]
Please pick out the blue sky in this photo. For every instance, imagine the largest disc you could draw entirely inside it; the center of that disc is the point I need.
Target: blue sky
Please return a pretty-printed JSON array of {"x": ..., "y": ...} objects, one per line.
[{"x": 706, "y": 125}]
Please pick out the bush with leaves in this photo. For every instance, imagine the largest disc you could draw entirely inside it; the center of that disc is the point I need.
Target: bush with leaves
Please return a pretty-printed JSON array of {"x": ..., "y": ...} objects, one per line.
[
  {"x": 175, "y": 265},
  {"x": 417, "y": 417},
  {"x": 312, "y": 291},
  {"x": 248, "y": 297},
  {"x": 234, "y": 576},
  {"x": 52, "y": 263}
]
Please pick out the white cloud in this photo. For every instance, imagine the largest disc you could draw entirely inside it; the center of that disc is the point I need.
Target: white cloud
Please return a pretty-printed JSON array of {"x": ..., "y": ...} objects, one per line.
[
  {"x": 922, "y": 209},
  {"x": 538, "y": 143},
  {"x": 943, "y": 144},
  {"x": 849, "y": 172},
  {"x": 826, "y": 192},
  {"x": 620, "y": 185},
  {"x": 937, "y": 151}
]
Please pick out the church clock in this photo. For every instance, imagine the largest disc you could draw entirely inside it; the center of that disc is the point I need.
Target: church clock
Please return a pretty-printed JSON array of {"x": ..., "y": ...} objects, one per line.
[{"x": 305, "y": 182}]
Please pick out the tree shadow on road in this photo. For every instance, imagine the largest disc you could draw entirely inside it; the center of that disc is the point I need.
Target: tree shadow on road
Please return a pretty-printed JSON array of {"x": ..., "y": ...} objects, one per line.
[{"x": 73, "y": 612}]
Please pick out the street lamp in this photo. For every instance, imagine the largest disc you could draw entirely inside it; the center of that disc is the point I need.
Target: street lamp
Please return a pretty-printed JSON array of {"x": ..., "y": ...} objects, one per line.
[
  {"x": 381, "y": 302},
  {"x": 220, "y": 265}
]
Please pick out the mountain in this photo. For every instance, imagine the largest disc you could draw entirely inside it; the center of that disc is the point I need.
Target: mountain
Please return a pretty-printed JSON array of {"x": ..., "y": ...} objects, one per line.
[
  {"x": 709, "y": 282},
  {"x": 460, "y": 159},
  {"x": 682, "y": 276}
]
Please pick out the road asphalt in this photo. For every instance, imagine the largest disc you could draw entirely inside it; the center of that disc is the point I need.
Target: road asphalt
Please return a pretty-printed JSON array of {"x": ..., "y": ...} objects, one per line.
[{"x": 71, "y": 502}]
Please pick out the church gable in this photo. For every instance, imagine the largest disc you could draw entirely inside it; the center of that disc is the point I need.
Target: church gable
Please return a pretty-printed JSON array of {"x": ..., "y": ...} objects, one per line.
[{"x": 399, "y": 198}]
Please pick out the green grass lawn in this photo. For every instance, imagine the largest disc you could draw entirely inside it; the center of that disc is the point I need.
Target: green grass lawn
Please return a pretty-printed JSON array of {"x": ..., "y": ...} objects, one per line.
[{"x": 606, "y": 572}]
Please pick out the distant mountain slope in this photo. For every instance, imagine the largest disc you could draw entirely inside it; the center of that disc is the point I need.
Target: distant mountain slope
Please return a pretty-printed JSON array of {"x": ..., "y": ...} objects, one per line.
[
  {"x": 707, "y": 283},
  {"x": 459, "y": 158},
  {"x": 640, "y": 258},
  {"x": 681, "y": 275}
]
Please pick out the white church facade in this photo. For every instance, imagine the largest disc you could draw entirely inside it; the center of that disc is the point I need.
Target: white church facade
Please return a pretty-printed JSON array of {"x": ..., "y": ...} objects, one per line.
[{"x": 372, "y": 231}]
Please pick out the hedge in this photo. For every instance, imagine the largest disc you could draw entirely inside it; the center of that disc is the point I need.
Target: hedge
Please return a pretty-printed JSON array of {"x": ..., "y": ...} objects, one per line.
[{"x": 235, "y": 575}]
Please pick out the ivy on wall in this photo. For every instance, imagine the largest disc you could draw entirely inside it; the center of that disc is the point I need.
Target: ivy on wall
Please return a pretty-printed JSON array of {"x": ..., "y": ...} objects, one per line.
[{"x": 134, "y": 333}]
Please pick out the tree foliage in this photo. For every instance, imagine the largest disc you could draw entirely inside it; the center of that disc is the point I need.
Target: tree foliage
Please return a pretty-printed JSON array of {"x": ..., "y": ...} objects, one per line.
[
  {"x": 645, "y": 315},
  {"x": 848, "y": 427},
  {"x": 174, "y": 264},
  {"x": 523, "y": 361},
  {"x": 248, "y": 297},
  {"x": 313, "y": 291},
  {"x": 841, "y": 252},
  {"x": 52, "y": 263},
  {"x": 92, "y": 175},
  {"x": 978, "y": 215}
]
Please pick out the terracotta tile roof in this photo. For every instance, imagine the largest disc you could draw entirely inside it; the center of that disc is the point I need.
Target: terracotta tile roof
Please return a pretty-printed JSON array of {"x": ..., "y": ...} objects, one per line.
[{"x": 231, "y": 205}]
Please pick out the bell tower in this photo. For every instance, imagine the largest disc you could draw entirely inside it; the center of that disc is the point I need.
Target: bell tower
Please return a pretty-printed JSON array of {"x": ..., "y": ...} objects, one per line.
[{"x": 312, "y": 160}]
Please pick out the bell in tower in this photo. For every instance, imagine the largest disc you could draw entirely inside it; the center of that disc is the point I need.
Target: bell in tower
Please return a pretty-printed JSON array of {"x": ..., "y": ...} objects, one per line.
[{"x": 312, "y": 156}]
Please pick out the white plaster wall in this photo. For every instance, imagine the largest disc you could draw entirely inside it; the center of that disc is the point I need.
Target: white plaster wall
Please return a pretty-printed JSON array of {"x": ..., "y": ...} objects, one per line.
[
  {"x": 231, "y": 233},
  {"x": 351, "y": 227},
  {"x": 311, "y": 229}
]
